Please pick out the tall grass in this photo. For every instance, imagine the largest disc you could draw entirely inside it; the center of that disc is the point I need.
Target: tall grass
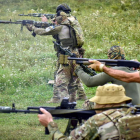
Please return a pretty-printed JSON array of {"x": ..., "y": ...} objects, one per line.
[{"x": 27, "y": 62}]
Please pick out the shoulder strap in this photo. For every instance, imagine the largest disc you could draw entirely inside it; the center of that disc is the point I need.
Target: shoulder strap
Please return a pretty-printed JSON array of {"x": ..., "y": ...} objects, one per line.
[{"x": 113, "y": 119}]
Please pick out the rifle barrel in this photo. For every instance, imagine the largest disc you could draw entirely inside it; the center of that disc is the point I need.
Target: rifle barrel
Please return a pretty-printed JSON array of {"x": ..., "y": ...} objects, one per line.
[
  {"x": 108, "y": 62},
  {"x": 39, "y": 15},
  {"x": 10, "y": 22}
]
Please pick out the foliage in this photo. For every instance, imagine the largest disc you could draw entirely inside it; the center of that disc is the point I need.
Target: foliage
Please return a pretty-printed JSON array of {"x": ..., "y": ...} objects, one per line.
[{"x": 27, "y": 63}]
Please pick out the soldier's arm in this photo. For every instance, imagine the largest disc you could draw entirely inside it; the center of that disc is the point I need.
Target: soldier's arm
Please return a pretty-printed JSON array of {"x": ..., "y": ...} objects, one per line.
[
  {"x": 48, "y": 31},
  {"x": 92, "y": 81},
  {"x": 122, "y": 76},
  {"x": 117, "y": 74},
  {"x": 80, "y": 132},
  {"x": 87, "y": 131}
]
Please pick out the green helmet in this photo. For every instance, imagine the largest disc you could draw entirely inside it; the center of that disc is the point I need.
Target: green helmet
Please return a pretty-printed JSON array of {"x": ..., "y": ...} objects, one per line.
[{"x": 116, "y": 52}]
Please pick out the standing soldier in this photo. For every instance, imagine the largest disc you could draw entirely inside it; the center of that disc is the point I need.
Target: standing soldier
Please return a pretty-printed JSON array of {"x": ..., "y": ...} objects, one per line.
[
  {"x": 69, "y": 35},
  {"x": 80, "y": 89}
]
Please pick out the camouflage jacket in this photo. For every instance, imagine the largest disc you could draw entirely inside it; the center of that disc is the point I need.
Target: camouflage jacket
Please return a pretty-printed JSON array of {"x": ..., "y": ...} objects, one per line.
[{"x": 103, "y": 126}]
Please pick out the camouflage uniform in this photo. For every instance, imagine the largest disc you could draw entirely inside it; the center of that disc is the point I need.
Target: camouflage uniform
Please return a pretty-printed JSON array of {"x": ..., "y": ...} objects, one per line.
[
  {"x": 79, "y": 88},
  {"x": 80, "y": 91},
  {"x": 99, "y": 125},
  {"x": 65, "y": 80},
  {"x": 107, "y": 125}
]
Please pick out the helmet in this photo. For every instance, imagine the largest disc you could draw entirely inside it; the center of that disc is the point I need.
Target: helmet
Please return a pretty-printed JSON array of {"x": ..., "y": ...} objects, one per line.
[{"x": 63, "y": 7}]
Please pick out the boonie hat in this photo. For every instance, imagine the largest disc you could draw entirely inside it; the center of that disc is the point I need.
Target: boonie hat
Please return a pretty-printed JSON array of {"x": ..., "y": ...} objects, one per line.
[{"x": 110, "y": 93}]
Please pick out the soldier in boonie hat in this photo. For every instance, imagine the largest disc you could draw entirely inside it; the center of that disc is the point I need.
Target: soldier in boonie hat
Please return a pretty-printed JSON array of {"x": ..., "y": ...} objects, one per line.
[
  {"x": 107, "y": 95},
  {"x": 110, "y": 94},
  {"x": 103, "y": 125},
  {"x": 116, "y": 52}
]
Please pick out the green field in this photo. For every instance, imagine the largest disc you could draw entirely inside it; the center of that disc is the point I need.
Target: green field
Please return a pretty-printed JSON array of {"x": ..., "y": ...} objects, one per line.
[{"x": 27, "y": 63}]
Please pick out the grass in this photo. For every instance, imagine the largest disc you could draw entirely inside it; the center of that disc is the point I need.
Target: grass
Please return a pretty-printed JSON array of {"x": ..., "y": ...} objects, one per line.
[{"x": 27, "y": 62}]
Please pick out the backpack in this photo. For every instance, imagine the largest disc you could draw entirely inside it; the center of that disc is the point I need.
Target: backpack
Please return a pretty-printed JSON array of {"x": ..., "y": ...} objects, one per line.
[
  {"x": 129, "y": 127},
  {"x": 77, "y": 31}
]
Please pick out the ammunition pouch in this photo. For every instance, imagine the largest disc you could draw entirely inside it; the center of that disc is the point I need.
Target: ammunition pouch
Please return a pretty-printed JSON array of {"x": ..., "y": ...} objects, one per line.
[{"x": 63, "y": 59}]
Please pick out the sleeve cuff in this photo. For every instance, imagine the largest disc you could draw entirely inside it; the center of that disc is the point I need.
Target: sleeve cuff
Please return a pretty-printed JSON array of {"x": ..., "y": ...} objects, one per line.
[
  {"x": 52, "y": 126},
  {"x": 77, "y": 69},
  {"x": 33, "y": 28}
]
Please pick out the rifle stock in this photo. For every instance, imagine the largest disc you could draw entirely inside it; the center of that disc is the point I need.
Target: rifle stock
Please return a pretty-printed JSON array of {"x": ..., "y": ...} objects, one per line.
[{"x": 108, "y": 62}]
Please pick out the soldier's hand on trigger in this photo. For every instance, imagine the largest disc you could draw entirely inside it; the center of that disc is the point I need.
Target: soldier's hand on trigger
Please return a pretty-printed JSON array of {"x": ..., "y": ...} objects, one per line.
[
  {"x": 45, "y": 118},
  {"x": 97, "y": 66},
  {"x": 30, "y": 27}
]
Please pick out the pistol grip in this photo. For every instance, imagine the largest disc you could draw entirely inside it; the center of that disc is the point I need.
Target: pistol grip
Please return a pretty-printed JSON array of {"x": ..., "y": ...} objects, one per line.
[{"x": 47, "y": 131}]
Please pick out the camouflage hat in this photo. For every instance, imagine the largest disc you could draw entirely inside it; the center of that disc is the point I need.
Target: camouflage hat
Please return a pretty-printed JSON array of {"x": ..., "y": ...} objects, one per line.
[
  {"x": 63, "y": 7},
  {"x": 116, "y": 52},
  {"x": 110, "y": 94}
]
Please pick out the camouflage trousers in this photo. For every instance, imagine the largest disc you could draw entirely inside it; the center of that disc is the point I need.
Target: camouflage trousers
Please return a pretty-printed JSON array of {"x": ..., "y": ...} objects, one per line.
[
  {"x": 65, "y": 84},
  {"x": 80, "y": 89}
]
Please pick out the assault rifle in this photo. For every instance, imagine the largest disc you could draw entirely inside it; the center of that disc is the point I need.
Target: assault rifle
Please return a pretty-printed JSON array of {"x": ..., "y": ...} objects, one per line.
[
  {"x": 48, "y": 16},
  {"x": 108, "y": 62},
  {"x": 72, "y": 55},
  {"x": 65, "y": 110},
  {"x": 37, "y": 24}
]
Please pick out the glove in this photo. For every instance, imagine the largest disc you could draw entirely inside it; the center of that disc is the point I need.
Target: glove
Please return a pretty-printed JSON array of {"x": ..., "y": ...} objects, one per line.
[
  {"x": 97, "y": 66},
  {"x": 30, "y": 27}
]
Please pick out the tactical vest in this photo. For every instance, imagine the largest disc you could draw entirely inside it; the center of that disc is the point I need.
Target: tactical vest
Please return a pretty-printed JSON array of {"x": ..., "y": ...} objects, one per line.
[
  {"x": 76, "y": 39},
  {"x": 129, "y": 127},
  {"x": 77, "y": 31}
]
